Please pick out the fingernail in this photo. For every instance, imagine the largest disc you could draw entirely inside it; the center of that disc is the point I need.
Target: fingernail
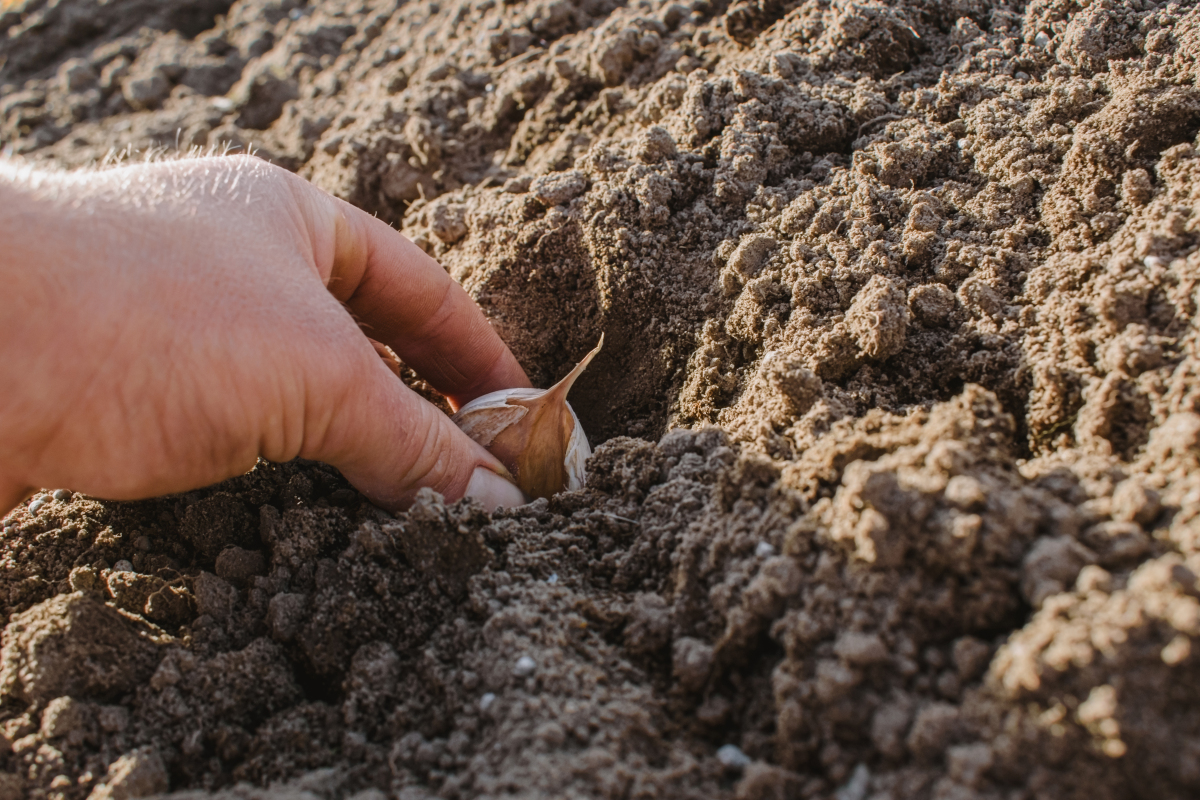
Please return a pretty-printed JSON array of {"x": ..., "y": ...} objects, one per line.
[{"x": 492, "y": 491}]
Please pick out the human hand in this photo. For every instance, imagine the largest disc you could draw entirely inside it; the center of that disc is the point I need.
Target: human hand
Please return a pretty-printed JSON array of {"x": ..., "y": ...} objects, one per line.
[{"x": 166, "y": 324}]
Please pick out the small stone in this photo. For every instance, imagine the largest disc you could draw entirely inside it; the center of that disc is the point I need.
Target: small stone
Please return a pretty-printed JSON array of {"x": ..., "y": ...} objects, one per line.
[
  {"x": 1041, "y": 40},
  {"x": 486, "y": 701},
  {"x": 62, "y": 495},
  {"x": 732, "y": 757},
  {"x": 524, "y": 667},
  {"x": 1155, "y": 262},
  {"x": 764, "y": 550},
  {"x": 553, "y": 579},
  {"x": 36, "y": 505},
  {"x": 856, "y": 788},
  {"x": 122, "y": 566}
]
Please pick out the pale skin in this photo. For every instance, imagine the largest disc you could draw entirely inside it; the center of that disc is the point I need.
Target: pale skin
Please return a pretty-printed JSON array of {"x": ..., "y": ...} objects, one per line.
[{"x": 163, "y": 326}]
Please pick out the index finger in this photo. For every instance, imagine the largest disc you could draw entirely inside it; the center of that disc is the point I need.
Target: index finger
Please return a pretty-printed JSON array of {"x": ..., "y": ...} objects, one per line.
[{"x": 406, "y": 300}]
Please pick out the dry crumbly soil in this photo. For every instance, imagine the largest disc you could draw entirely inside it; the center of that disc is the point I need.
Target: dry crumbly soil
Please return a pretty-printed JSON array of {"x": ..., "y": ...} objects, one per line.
[{"x": 897, "y": 485}]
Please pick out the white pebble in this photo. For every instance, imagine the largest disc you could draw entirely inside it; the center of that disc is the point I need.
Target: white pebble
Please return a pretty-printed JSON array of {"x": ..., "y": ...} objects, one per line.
[
  {"x": 295, "y": 13},
  {"x": 122, "y": 566},
  {"x": 62, "y": 495},
  {"x": 524, "y": 667},
  {"x": 1154, "y": 262},
  {"x": 486, "y": 701},
  {"x": 1041, "y": 40},
  {"x": 221, "y": 104},
  {"x": 856, "y": 788},
  {"x": 36, "y": 505},
  {"x": 1021, "y": 76},
  {"x": 553, "y": 578},
  {"x": 764, "y": 550},
  {"x": 731, "y": 756}
]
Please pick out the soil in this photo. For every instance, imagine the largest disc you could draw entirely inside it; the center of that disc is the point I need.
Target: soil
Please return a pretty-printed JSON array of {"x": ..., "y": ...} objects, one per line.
[{"x": 896, "y": 491}]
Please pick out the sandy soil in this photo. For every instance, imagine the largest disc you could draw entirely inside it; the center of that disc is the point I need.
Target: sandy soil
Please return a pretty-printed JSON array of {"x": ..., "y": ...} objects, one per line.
[{"x": 897, "y": 483}]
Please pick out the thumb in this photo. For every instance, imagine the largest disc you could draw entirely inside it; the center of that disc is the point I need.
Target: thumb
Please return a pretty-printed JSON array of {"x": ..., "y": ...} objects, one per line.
[{"x": 389, "y": 442}]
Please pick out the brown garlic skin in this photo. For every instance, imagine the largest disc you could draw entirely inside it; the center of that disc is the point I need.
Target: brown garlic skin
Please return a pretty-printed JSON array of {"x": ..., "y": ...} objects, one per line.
[{"x": 533, "y": 432}]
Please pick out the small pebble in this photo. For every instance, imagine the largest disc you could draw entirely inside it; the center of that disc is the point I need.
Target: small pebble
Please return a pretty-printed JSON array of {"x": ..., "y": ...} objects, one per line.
[
  {"x": 1041, "y": 40},
  {"x": 486, "y": 701},
  {"x": 295, "y": 13},
  {"x": 1154, "y": 262},
  {"x": 62, "y": 495},
  {"x": 732, "y": 757},
  {"x": 1021, "y": 76},
  {"x": 142, "y": 543},
  {"x": 524, "y": 667},
  {"x": 393, "y": 51},
  {"x": 36, "y": 505},
  {"x": 764, "y": 550},
  {"x": 489, "y": 88},
  {"x": 553, "y": 578},
  {"x": 122, "y": 566},
  {"x": 221, "y": 104},
  {"x": 856, "y": 788}
]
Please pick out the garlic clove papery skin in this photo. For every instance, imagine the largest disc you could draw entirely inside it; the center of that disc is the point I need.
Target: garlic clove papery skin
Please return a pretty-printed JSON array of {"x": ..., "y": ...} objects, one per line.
[
  {"x": 484, "y": 427},
  {"x": 484, "y": 418},
  {"x": 534, "y": 433}
]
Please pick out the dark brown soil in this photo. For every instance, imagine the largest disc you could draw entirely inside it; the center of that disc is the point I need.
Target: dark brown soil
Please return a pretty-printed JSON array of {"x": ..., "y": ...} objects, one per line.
[{"x": 897, "y": 485}]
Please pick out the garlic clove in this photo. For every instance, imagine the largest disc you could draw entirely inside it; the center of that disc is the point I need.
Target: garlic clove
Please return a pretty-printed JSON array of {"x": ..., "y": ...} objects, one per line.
[{"x": 533, "y": 432}]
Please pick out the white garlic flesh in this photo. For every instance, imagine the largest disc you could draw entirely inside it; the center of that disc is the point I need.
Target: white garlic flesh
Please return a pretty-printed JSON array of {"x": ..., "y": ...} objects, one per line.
[{"x": 533, "y": 432}]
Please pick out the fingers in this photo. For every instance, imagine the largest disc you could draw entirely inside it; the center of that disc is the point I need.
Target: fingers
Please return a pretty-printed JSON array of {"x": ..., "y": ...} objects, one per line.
[
  {"x": 389, "y": 442},
  {"x": 404, "y": 299}
]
